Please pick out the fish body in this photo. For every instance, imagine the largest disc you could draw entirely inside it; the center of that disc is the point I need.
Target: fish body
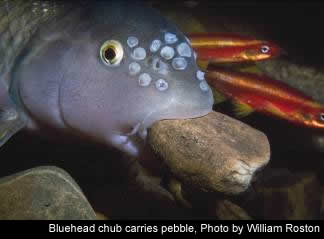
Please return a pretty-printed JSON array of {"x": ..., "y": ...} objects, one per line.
[
  {"x": 263, "y": 94},
  {"x": 104, "y": 70},
  {"x": 233, "y": 54},
  {"x": 222, "y": 40},
  {"x": 226, "y": 47}
]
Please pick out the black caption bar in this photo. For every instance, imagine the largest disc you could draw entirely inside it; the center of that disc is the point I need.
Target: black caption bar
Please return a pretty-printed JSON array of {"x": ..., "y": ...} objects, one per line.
[{"x": 165, "y": 227}]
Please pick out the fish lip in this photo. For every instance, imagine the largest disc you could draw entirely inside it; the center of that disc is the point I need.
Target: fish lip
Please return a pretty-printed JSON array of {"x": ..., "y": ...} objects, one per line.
[{"x": 151, "y": 118}]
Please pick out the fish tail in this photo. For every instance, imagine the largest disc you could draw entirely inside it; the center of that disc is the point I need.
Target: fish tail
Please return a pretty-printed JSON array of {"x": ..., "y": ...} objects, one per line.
[{"x": 242, "y": 109}]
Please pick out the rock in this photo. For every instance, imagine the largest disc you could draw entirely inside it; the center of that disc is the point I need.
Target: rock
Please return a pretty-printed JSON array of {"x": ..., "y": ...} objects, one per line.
[
  {"x": 101, "y": 216},
  {"x": 214, "y": 153},
  {"x": 175, "y": 187},
  {"x": 139, "y": 195},
  {"x": 43, "y": 193},
  {"x": 322, "y": 204},
  {"x": 143, "y": 181},
  {"x": 288, "y": 196},
  {"x": 227, "y": 210}
]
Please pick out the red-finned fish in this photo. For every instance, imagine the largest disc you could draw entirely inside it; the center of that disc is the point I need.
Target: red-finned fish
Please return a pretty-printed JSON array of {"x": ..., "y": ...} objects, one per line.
[
  {"x": 260, "y": 93},
  {"x": 221, "y": 40},
  {"x": 236, "y": 54},
  {"x": 225, "y": 47}
]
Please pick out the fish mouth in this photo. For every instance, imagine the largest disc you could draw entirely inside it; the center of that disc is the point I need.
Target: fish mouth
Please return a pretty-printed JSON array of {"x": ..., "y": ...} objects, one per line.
[
  {"x": 168, "y": 113},
  {"x": 133, "y": 142}
]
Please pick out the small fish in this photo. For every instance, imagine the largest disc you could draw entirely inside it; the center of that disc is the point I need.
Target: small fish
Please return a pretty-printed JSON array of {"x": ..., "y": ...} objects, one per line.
[
  {"x": 103, "y": 70},
  {"x": 251, "y": 92},
  {"x": 222, "y": 48},
  {"x": 221, "y": 40},
  {"x": 247, "y": 53}
]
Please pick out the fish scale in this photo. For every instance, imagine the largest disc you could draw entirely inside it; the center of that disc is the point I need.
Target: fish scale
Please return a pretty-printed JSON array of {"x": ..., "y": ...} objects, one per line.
[{"x": 19, "y": 20}]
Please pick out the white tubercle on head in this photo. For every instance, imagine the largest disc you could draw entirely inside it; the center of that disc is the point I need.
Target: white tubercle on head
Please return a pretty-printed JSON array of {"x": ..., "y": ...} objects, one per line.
[
  {"x": 139, "y": 53},
  {"x": 200, "y": 75},
  {"x": 184, "y": 50},
  {"x": 155, "y": 45},
  {"x": 179, "y": 63},
  {"x": 144, "y": 79},
  {"x": 161, "y": 85},
  {"x": 167, "y": 52},
  {"x": 132, "y": 41},
  {"x": 170, "y": 38},
  {"x": 134, "y": 68},
  {"x": 160, "y": 66},
  {"x": 204, "y": 86}
]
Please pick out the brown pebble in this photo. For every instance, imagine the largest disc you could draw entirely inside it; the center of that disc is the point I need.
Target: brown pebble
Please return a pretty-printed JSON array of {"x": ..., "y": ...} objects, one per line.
[
  {"x": 43, "y": 193},
  {"x": 214, "y": 153}
]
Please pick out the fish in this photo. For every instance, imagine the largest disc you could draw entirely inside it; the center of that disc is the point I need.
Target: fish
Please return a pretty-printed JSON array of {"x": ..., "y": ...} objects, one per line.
[
  {"x": 209, "y": 39},
  {"x": 103, "y": 71},
  {"x": 251, "y": 92},
  {"x": 248, "y": 53},
  {"x": 229, "y": 47}
]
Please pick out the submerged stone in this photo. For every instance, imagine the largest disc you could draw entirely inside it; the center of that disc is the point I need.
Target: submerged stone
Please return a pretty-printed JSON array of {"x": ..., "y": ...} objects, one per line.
[{"x": 43, "y": 193}]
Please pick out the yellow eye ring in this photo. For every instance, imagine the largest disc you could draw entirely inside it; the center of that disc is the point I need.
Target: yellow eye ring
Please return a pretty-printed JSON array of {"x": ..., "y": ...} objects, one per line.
[{"x": 111, "y": 53}]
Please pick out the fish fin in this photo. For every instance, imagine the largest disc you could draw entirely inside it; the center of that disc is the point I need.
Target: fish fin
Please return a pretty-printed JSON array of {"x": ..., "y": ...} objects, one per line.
[
  {"x": 241, "y": 109},
  {"x": 11, "y": 118},
  {"x": 218, "y": 97},
  {"x": 275, "y": 110}
]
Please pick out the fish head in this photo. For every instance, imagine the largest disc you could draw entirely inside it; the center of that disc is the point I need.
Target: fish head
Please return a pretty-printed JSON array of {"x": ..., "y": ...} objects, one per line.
[
  {"x": 121, "y": 68},
  {"x": 310, "y": 117},
  {"x": 262, "y": 51},
  {"x": 138, "y": 68},
  {"x": 316, "y": 119}
]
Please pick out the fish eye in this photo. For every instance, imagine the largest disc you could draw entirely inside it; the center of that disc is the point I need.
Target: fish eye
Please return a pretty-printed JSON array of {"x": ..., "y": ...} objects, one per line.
[
  {"x": 111, "y": 53},
  {"x": 321, "y": 116},
  {"x": 265, "y": 49}
]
